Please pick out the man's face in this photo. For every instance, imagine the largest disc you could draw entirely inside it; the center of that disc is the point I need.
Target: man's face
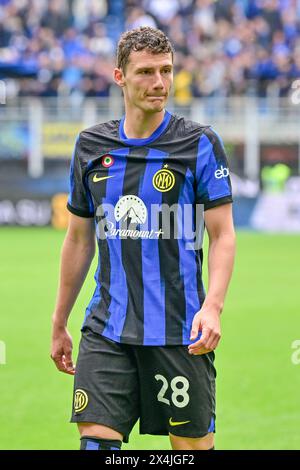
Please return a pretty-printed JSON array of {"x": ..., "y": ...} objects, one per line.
[{"x": 147, "y": 80}]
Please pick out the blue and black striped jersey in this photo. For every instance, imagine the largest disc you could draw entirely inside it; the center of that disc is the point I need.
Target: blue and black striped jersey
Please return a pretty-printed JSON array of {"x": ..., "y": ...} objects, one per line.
[{"x": 144, "y": 195}]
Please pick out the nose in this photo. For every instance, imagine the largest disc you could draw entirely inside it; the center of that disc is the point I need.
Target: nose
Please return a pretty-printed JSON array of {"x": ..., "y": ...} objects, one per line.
[{"x": 158, "y": 82}]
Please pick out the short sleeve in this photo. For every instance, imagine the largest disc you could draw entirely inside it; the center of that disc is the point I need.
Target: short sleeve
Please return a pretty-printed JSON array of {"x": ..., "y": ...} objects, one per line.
[
  {"x": 212, "y": 171},
  {"x": 79, "y": 201}
]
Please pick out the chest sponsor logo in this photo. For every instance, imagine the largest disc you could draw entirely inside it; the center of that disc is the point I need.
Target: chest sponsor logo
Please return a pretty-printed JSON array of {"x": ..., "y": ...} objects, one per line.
[
  {"x": 163, "y": 180},
  {"x": 130, "y": 217},
  {"x": 131, "y": 214},
  {"x": 131, "y": 209},
  {"x": 223, "y": 172}
]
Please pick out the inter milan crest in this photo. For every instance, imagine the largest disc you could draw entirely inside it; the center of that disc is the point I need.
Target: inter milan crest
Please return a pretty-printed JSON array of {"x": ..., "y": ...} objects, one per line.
[
  {"x": 107, "y": 161},
  {"x": 80, "y": 400},
  {"x": 163, "y": 180}
]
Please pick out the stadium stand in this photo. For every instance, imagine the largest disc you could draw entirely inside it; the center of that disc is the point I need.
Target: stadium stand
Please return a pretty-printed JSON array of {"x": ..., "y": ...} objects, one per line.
[{"x": 224, "y": 48}]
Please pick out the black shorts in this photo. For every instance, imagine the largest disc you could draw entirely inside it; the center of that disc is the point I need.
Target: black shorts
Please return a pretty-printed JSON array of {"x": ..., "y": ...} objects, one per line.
[{"x": 170, "y": 390}]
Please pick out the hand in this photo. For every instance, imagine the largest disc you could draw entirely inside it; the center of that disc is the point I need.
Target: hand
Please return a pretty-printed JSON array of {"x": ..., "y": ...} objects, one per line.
[
  {"x": 61, "y": 350},
  {"x": 206, "y": 320}
]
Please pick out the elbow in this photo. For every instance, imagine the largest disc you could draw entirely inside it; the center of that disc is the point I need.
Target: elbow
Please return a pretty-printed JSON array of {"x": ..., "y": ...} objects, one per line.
[
  {"x": 225, "y": 241},
  {"x": 230, "y": 240}
]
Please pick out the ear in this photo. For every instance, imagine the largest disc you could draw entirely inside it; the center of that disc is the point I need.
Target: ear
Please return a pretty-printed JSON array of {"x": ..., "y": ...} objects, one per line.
[{"x": 119, "y": 77}]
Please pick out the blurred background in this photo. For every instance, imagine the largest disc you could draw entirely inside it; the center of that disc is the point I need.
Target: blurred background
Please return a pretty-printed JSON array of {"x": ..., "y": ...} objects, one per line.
[{"x": 237, "y": 67}]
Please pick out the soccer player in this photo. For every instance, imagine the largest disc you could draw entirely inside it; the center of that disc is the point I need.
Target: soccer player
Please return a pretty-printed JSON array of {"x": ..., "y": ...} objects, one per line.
[{"x": 149, "y": 334}]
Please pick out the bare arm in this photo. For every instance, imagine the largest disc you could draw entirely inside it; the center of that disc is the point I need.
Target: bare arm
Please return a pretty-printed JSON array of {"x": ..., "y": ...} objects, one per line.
[
  {"x": 77, "y": 254},
  {"x": 221, "y": 253}
]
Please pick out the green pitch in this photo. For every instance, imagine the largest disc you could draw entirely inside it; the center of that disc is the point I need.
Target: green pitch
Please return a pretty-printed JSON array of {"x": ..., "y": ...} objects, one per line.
[{"x": 257, "y": 385}]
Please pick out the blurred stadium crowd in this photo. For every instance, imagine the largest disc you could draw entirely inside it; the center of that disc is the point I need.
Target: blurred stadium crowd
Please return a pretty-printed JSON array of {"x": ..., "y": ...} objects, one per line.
[{"x": 223, "y": 48}]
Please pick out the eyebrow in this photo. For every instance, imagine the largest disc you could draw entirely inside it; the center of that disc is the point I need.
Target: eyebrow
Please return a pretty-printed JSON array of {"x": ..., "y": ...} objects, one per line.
[{"x": 170, "y": 66}]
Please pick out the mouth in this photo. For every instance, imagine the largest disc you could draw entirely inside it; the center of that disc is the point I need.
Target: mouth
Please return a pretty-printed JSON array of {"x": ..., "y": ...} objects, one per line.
[{"x": 161, "y": 98}]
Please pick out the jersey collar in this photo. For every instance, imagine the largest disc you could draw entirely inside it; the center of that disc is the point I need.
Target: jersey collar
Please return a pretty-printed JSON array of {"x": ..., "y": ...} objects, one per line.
[{"x": 157, "y": 133}]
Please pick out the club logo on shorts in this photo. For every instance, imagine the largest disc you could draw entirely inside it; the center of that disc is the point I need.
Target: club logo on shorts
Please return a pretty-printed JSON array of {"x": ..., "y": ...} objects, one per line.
[
  {"x": 80, "y": 400},
  {"x": 163, "y": 180},
  {"x": 107, "y": 161}
]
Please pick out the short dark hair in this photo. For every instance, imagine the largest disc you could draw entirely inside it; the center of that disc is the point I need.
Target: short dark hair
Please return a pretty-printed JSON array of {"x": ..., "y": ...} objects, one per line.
[{"x": 144, "y": 37}]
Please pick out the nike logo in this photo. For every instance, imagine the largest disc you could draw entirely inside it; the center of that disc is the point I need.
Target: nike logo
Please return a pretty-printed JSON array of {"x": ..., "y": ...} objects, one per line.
[
  {"x": 96, "y": 180},
  {"x": 177, "y": 423}
]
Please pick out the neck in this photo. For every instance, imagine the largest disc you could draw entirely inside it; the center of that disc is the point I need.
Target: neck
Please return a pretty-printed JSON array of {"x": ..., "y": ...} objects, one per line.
[{"x": 140, "y": 125}]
